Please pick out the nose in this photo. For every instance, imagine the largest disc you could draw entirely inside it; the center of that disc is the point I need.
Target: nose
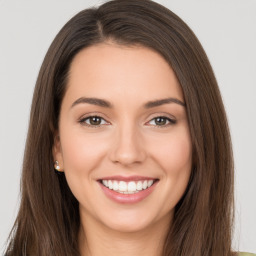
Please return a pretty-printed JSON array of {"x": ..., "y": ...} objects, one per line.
[{"x": 127, "y": 148}]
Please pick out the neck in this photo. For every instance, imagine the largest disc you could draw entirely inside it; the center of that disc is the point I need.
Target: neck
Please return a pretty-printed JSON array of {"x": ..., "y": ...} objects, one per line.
[{"x": 97, "y": 239}]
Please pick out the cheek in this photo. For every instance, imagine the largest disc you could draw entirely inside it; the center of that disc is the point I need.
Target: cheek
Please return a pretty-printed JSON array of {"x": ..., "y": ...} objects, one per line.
[
  {"x": 175, "y": 159},
  {"x": 174, "y": 153},
  {"x": 81, "y": 152},
  {"x": 178, "y": 155}
]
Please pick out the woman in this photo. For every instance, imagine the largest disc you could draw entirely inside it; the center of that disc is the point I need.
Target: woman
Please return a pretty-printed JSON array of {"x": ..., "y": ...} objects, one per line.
[{"x": 127, "y": 111}]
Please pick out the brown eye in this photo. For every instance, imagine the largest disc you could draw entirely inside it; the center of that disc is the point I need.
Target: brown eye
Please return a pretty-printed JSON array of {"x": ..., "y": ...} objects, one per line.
[
  {"x": 162, "y": 121},
  {"x": 93, "y": 121}
]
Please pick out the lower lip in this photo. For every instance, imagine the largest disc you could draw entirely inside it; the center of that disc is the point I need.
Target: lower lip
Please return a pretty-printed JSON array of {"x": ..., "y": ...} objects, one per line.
[{"x": 128, "y": 198}]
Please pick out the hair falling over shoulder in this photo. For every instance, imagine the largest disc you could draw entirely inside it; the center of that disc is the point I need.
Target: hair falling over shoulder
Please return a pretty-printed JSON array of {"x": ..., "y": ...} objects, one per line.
[{"x": 48, "y": 219}]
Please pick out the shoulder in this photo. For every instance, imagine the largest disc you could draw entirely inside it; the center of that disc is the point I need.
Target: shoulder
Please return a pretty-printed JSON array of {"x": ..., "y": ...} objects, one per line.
[{"x": 246, "y": 254}]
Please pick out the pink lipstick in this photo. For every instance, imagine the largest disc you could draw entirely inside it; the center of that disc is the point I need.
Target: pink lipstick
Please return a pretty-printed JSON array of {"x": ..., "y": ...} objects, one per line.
[{"x": 127, "y": 190}]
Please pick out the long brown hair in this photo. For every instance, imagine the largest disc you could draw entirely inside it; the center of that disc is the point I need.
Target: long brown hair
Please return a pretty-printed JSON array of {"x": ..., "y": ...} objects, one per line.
[{"x": 48, "y": 219}]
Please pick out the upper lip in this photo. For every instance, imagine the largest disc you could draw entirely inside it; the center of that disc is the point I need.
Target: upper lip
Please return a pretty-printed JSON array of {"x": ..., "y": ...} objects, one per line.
[{"x": 127, "y": 178}]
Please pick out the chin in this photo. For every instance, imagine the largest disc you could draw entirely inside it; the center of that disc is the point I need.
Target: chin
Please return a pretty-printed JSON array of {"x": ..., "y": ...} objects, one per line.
[
  {"x": 128, "y": 226},
  {"x": 130, "y": 221}
]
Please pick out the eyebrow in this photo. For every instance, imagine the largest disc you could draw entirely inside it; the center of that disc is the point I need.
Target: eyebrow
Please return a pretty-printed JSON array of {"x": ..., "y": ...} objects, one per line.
[
  {"x": 107, "y": 104},
  {"x": 93, "y": 101},
  {"x": 156, "y": 103}
]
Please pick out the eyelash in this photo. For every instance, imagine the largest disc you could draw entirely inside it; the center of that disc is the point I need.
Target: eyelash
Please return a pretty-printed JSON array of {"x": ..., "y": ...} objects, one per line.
[
  {"x": 83, "y": 121},
  {"x": 166, "y": 119}
]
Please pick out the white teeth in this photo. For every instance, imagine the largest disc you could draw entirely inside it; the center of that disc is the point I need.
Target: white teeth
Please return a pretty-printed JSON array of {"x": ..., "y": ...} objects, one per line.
[
  {"x": 130, "y": 187},
  {"x": 150, "y": 182},
  {"x": 139, "y": 185},
  {"x": 110, "y": 184},
  {"x": 145, "y": 184},
  {"x": 115, "y": 185},
  {"x": 122, "y": 186}
]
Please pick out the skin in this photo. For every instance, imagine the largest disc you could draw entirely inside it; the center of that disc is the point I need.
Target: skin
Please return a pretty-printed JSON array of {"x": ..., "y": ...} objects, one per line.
[{"x": 129, "y": 141}]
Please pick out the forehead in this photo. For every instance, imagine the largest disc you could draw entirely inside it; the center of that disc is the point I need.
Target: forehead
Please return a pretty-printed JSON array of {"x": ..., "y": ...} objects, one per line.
[{"x": 108, "y": 69}]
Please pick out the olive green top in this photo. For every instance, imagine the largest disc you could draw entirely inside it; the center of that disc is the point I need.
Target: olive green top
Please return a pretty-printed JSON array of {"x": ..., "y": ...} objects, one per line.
[{"x": 246, "y": 254}]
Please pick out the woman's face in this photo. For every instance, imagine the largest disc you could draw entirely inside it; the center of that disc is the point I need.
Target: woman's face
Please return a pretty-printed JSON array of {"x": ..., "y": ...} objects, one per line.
[{"x": 123, "y": 123}]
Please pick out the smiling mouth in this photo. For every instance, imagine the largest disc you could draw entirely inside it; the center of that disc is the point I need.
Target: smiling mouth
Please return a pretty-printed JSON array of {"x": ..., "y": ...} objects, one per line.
[{"x": 131, "y": 187}]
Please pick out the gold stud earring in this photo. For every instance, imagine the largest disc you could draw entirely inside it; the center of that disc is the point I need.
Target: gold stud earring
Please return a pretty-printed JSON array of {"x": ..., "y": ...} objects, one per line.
[{"x": 56, "y": 166}]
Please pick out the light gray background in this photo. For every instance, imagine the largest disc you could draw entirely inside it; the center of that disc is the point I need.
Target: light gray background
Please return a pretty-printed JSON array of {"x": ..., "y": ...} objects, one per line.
[{"x": 227, "y": 30}]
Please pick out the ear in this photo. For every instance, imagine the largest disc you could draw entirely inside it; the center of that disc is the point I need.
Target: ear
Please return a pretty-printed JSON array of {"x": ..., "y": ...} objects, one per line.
[{"x": 57, "y": 152}]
